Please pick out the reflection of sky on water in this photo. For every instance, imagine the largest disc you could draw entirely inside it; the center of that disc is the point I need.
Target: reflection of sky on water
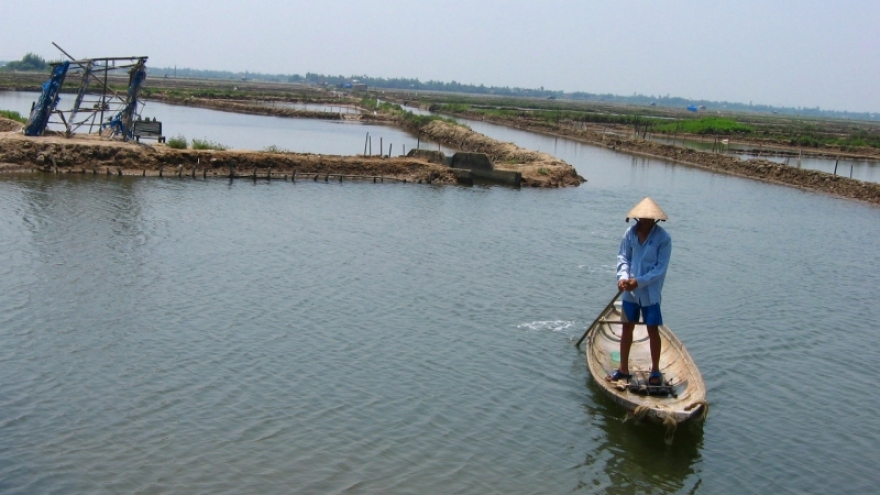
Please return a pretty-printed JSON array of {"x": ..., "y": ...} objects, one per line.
[
  {"x": 311, "y": 107},
  {"x": 257, "y": 132}
]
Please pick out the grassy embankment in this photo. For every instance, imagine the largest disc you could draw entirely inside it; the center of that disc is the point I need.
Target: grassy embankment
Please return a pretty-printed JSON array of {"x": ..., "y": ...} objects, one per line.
[
  {"x": 9, "y": 114},
  {"x": 404, "y": 118}
]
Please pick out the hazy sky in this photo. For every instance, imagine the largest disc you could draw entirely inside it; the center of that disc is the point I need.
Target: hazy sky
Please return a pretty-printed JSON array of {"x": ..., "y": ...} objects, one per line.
[{"x": 785, "y": 53}]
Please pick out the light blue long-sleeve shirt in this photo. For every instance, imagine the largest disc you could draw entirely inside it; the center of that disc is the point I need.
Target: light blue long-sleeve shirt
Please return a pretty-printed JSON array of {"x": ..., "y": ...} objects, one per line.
[{"x": 647, "y": 263}]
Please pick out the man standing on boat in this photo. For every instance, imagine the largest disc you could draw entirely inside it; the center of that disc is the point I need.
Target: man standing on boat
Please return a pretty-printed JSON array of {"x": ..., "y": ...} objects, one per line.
[{"x": 641, "y": 269}]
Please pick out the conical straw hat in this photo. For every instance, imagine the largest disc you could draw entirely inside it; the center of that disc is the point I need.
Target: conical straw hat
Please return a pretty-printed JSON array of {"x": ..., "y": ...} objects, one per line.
[{"x": 647, "y": 208}]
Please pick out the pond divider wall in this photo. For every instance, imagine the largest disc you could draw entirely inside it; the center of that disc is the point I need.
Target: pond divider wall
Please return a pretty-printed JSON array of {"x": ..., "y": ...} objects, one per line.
[{"x": 469, "y": 167}]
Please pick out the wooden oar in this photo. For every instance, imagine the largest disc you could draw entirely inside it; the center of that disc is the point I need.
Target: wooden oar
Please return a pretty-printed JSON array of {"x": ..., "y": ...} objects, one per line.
[{"x": 599, "y": 317}]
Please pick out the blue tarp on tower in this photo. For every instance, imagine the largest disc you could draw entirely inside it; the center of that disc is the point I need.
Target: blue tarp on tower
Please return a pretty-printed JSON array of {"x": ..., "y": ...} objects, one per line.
[
  {"x": 47, "y": 102},
  {"x": 121, "y": 123}
]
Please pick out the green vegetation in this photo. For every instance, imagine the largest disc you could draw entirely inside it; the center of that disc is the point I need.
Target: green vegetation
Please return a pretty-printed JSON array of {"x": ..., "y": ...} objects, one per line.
[
  {"x": 9, "y": 114},
  {"x": 275, "y": 149},
  {"x": 229, "y": 91},
  {"x": 204, "y": 144},
  {"x": 846, "y": 135},
  {"x": 542, "y": 113},
  {"x": 177, "y": 142},
  {"x": 30, "y": 62},
  {"x": 852, "y": 142},
  {"x": 208, "y": 93},
  {"x": 418, "y": 121},
  {"x": 455, "y": 108},
  {"x": 407, "y": 118},
  {"x": 707, "y": 125}
]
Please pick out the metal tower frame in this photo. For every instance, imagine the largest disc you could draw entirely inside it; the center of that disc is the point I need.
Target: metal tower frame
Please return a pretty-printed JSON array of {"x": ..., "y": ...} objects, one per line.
[{"x": 109, "y": 112}]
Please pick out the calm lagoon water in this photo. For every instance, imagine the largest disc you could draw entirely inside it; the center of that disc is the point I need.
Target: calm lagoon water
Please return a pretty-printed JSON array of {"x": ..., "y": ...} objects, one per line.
[
  {"x": 257, "y": 132},
  {"x": 205, "y": 336}
]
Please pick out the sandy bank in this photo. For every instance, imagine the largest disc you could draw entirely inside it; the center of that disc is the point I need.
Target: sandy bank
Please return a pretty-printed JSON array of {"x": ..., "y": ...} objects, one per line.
[
  {"x": 92, "y": 155},
  {"x": 56, "y": 154}
]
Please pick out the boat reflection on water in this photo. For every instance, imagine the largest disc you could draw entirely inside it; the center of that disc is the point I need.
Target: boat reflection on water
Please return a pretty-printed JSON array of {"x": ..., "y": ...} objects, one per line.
[{"x": 633, "y": 457}]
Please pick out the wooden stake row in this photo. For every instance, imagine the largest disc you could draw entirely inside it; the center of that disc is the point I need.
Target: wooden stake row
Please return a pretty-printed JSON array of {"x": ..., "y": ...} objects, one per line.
[{"x": 180, "y": 172}]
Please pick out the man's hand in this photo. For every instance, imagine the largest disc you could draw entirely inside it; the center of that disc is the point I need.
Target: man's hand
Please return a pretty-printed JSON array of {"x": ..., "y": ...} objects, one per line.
[{"x": 627, "y": 284}]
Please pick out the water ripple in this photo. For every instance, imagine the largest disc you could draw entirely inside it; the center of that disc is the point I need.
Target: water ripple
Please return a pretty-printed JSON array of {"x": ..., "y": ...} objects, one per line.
[{"x": 173, "y": 336}]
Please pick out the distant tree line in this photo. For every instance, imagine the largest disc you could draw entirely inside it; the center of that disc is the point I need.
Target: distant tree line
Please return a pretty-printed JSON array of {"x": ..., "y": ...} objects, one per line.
[{"x": 30, "y": 62}]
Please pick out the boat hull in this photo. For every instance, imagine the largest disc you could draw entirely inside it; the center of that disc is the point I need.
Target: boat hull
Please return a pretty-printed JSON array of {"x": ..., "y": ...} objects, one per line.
[{"x": 684, "y": 395}]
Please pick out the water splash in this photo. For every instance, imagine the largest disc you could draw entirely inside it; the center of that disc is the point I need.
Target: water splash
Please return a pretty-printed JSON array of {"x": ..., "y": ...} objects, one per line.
[{"x": 552, "y": 325}]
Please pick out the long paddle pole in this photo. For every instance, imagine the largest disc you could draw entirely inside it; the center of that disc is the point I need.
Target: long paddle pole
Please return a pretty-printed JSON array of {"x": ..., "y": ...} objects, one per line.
[{"x": 578, "y": 344}]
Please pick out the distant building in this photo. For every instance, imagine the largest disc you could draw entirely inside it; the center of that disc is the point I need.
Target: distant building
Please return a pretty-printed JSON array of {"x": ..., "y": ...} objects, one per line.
[{"x": 359, "y": 87}]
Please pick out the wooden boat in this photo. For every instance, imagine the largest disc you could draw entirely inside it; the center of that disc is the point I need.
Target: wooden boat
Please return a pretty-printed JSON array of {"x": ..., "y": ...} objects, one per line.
[{"x": 683, "y": 393}]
